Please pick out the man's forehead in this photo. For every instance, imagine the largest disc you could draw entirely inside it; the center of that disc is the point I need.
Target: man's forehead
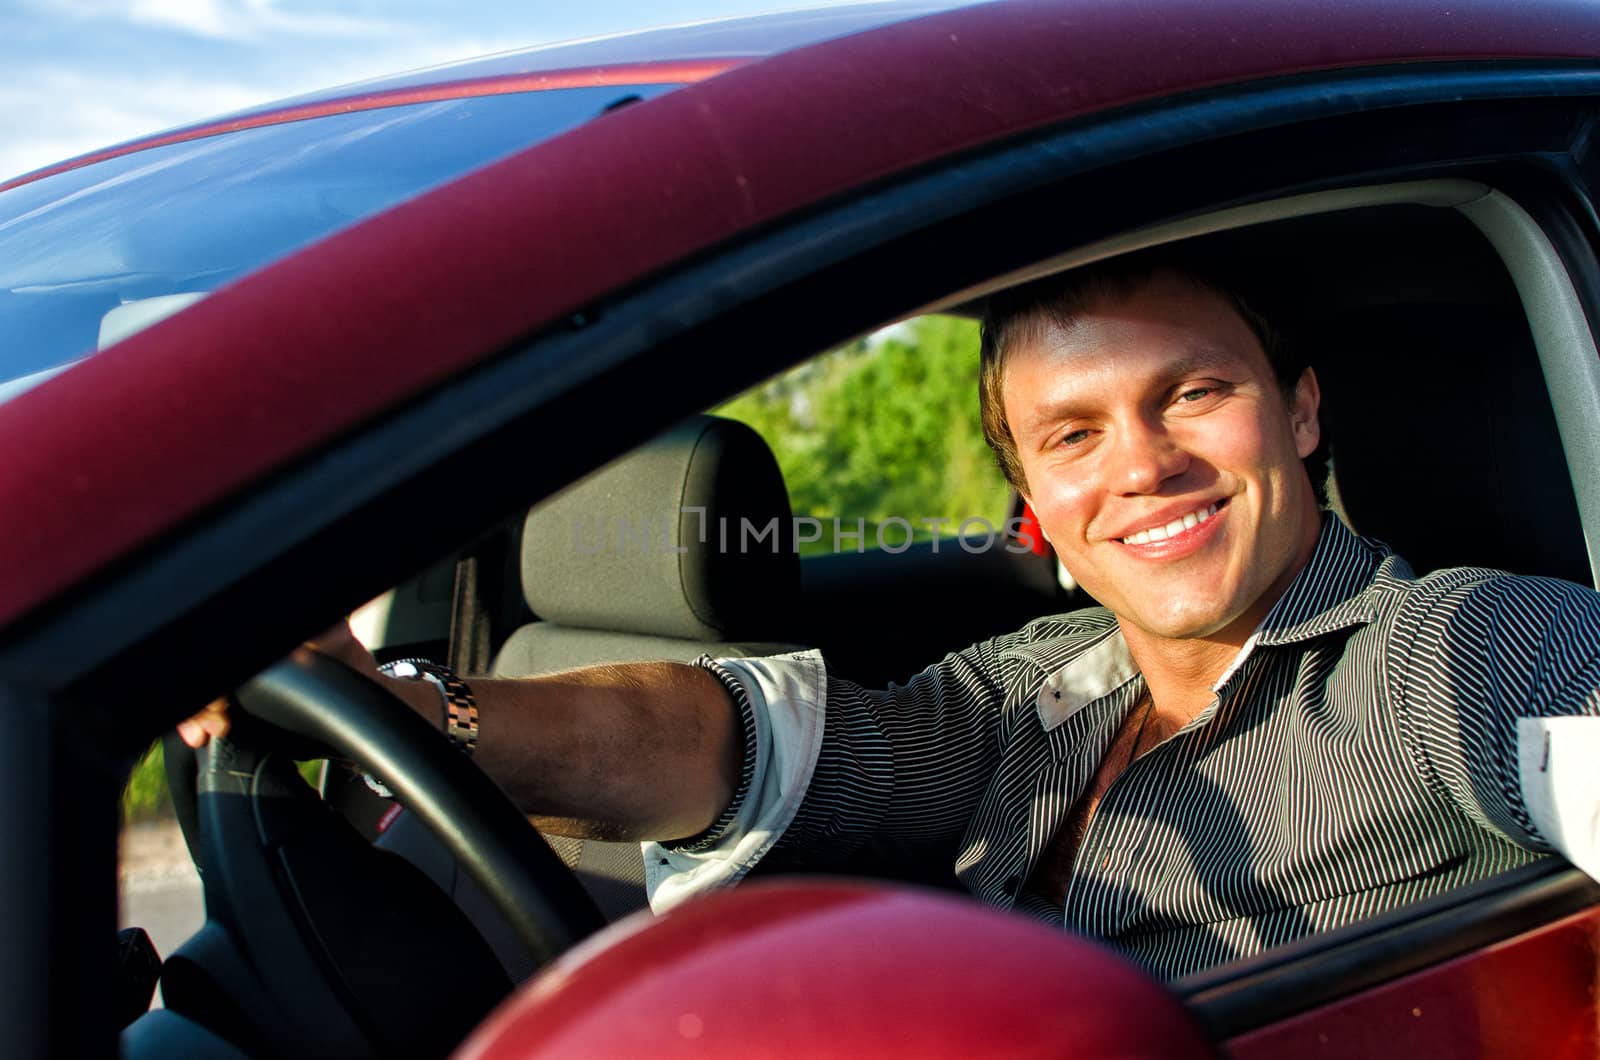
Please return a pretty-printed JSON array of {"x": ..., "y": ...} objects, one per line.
[
  {"x": 1145, "y": 335},
  {"x": 1165, "y": 297}
]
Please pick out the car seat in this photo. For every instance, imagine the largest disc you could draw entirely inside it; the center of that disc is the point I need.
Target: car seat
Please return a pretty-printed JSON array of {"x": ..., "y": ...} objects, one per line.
[
  {"x": 1443, "y": 439},
  {"x": 682, "y": 547},
  {"x": 656, "y": 557}
]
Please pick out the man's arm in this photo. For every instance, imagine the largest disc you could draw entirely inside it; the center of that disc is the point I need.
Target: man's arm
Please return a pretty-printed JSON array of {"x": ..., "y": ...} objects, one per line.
[
  {"x": 1496, "y": 685},
  {"x": 640, "y": 751}
]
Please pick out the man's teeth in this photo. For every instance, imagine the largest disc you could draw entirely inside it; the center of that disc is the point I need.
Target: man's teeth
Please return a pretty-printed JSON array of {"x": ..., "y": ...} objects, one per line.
[{"x": 1177, "y": 526}]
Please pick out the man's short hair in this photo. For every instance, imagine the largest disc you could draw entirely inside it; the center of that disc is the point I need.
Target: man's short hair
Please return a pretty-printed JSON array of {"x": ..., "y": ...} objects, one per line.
[{"x": 1017, "y": 313}]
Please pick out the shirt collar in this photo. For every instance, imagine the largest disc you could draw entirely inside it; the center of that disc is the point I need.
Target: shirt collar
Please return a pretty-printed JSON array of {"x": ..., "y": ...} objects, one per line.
[
  {"x": 1103, "y": 668},
  {"x": 1328, "y": 594}
]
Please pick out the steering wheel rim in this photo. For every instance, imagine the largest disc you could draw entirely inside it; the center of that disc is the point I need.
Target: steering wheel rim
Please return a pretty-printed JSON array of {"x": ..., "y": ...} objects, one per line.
[{"x": 314, "y": 697}]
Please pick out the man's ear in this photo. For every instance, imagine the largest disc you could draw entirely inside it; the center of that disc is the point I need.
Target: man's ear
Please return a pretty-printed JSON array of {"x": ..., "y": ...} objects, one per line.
[
  {"x": 1027, "y": 500},
  {"x": 1303, "y": 406},
  {"x": 1023, "y": 493}
]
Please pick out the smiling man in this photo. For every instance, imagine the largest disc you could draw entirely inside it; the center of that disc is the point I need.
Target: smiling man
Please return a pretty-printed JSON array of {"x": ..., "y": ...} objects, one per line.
[
  {"x": 1142, "y": 416},
  {"x": 1271, "y": 727},
  {"x": 1163, "y": 457}
]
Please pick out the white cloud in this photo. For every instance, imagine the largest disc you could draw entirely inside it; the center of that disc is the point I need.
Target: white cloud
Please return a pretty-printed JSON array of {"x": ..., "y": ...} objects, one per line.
[
  {"x": 85, "y": 74},
  {"x": 401, "y": 56},
  {"x": 88, "y": 111},
  {"x": 235, "y": 20},
  {"x": 52, "y": 113}
]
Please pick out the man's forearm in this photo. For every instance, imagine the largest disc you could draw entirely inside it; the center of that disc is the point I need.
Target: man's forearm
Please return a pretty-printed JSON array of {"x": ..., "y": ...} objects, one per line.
[{"x": 636, "y": 751}]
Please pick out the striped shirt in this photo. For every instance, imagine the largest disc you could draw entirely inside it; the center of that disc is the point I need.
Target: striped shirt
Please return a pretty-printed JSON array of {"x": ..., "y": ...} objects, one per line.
[{"x": 1362, "y": 752}]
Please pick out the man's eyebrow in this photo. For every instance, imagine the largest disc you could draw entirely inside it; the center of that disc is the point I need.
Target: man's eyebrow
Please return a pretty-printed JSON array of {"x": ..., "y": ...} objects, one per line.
[
  {"x": 1199, "y": 359},
  {"x": 1047, "y": 416}
]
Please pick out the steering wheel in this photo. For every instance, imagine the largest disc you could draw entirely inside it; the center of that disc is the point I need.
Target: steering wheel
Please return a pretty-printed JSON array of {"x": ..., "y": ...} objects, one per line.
[{"x": 309, "y": 928}]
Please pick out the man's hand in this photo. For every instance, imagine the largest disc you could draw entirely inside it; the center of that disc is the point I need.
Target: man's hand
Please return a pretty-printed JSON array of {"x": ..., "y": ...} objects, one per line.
[
  {"x": 338, "y": 643},
  {"x": 582, "y": 750},
  {"x": 211, "y": 723}
]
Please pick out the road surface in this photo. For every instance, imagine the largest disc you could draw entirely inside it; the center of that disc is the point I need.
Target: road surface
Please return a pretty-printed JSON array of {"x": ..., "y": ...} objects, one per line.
[{"x": 158, "y": 886}]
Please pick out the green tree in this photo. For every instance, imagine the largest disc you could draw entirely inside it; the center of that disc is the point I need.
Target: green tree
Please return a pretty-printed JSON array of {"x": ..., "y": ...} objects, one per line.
[{"x": 884, "y": 427}]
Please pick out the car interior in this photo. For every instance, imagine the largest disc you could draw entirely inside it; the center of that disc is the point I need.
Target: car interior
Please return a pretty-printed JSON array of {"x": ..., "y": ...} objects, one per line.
[
  {"x": 1444, "y": 446},
  {"x": 1435, "y": 365}
]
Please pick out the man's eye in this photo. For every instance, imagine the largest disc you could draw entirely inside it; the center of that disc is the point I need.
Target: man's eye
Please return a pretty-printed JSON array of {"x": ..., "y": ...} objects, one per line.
[
  {"x": 1196, "y": 393},
  {"x": 1073, "y": 438}
]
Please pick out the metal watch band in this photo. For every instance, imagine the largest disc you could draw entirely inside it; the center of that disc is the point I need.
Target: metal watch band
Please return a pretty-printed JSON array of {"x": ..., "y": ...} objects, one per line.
[{"x": 460, "y": 709}]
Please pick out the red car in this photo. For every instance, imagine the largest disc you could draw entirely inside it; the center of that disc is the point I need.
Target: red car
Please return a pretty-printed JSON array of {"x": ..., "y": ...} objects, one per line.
[{"x": 356, "y": 336}]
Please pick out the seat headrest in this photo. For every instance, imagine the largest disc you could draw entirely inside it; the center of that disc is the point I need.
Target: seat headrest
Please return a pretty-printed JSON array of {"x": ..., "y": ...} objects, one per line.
[
  {"x": 688, "y": 536},
  {"x": 1444, "y": 442}
]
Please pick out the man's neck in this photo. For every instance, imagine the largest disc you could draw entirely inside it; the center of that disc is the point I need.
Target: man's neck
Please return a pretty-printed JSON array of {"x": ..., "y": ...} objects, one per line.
[{"x": 1180, "y": 674}]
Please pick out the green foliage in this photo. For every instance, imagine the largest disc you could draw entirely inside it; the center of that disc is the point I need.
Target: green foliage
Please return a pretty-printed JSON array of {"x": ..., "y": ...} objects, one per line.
[
  {"x": 885, "y": 427},
  {"x": 146, "y": 795}
]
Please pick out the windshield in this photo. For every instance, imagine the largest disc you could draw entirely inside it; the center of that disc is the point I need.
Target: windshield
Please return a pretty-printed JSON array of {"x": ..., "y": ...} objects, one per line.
[{"x": 91, "y": 255}]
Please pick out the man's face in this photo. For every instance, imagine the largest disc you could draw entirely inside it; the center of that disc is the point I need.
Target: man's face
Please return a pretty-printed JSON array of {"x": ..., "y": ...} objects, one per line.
[{"x": 1164, "y": 461}]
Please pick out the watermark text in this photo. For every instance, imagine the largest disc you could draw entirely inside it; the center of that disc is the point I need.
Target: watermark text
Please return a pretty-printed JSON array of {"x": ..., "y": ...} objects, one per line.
[{"x": 680, "y": 530}]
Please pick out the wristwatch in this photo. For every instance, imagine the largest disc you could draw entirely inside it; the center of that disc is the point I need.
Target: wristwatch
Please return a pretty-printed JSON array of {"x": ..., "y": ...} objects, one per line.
[{"x": 459, "y": 708}]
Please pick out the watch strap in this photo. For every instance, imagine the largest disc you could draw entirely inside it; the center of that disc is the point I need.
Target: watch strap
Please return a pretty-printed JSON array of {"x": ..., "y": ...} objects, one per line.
[{"x": 457, "y": 704}]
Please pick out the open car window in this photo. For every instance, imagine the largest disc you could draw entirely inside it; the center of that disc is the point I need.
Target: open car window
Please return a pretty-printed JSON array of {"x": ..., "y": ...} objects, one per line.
[
  {"x": 879, "y": 441},
  {"x": 843, "y": 426}
]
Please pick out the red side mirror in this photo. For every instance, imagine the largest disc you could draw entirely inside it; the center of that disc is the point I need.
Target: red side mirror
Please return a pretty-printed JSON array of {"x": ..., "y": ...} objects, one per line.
[{"x": 831, "y": 969}]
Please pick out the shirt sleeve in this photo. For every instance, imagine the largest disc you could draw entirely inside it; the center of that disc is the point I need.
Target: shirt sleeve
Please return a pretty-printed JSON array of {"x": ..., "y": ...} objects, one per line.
[
  {"x": 750, "y": 739},
  {"x": 902, "y": 768},
  {"x": 781, "y": 702},
  {"x": 1497, "y": 686},
  {"x": 837, "y": 766}
]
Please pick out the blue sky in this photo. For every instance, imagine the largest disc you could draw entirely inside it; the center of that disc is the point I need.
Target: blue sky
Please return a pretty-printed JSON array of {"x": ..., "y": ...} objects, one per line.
[{"x": 82, "y": 74}]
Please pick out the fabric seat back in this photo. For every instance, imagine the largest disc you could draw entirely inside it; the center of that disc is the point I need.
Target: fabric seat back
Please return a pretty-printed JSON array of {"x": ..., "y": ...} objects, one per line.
[
  {"x": 681, "y": 548},
  {"x": 1475, "y": 474}
]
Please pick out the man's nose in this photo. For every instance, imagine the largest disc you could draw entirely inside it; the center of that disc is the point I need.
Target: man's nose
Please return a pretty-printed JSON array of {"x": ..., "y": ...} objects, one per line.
[{"x": 1146, "y": 456}]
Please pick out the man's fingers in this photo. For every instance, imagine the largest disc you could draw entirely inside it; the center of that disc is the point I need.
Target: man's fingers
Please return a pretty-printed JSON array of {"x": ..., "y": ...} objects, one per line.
[
  {"x": 216, "y": 725},
  {"x": 211, "y": 723}
]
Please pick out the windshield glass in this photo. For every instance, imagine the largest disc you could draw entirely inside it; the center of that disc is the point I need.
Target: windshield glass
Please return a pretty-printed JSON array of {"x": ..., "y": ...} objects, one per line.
[{"x": 91, "y": 255}]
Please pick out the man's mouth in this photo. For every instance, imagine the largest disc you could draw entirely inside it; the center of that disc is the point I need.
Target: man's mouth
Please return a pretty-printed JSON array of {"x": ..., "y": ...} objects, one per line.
[{"x": 1177, "y": 526}]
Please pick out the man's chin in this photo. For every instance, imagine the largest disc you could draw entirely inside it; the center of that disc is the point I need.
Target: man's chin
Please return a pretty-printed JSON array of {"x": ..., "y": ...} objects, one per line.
[{"x": 1180, "y": 623}]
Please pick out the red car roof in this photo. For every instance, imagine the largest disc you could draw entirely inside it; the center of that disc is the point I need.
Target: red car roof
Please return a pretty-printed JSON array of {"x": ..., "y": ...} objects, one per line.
[
  {"x": 127, "y": 445},
  {"x": 667, "y": 56}
]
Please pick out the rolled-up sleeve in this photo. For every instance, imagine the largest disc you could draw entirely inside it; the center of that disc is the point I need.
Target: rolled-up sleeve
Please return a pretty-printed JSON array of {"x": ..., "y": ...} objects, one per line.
[
  {"x": 782, "y": 702},
  {"x": 1497, "y": 687},
  {"x": 830, "y": 765}
]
